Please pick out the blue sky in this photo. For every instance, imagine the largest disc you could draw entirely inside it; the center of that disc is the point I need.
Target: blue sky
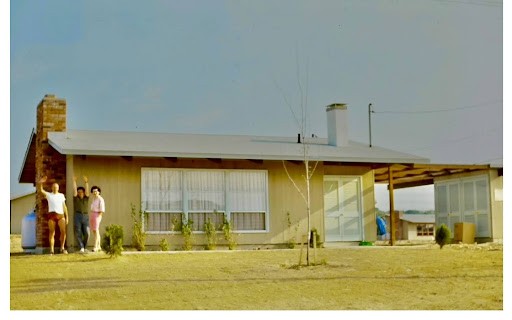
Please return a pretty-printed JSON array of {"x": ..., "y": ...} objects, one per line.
[{"x": 224, "y": 67}]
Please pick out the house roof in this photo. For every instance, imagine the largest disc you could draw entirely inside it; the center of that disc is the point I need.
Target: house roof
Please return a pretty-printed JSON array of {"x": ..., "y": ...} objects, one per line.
[
  {"x": 408, "y": 170},
  {"x": 419, "y": 218},
  {"x": 28, "y": 169},
  {"x": 18, "y": 196},
  {"x": 142, "y": 144}
]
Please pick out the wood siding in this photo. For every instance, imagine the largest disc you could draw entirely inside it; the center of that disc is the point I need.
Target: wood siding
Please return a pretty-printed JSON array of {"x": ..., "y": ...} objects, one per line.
[{"x": 120, "y": 181}]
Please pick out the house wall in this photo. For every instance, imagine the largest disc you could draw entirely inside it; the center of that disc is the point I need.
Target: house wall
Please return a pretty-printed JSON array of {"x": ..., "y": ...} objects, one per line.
[
  {"x": 495, "y": 199},
  {"x": 120, "y": 181},
  {"x": 20, "y": 207},
  {"x": 409, "y": 232},
  {"x": 496, "y": 189}
]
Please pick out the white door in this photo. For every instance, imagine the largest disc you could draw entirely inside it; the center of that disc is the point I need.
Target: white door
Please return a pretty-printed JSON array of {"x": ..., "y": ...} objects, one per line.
[
  {"x": 441, "y": 204},
  {"x": 464, "y": 200},
  {"x": 342, "y": 208},
  {"x": 448, "y": 211},
  {"x": 476, "y": 205}
]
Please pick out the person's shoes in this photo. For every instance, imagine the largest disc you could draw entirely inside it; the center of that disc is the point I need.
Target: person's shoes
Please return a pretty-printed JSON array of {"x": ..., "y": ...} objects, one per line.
[
  {"x": 86, "y": 251},
  {"x": 51, "y": 253},
  {"x": 64, "y": 251},
  {"x": 82, "y": 250}
]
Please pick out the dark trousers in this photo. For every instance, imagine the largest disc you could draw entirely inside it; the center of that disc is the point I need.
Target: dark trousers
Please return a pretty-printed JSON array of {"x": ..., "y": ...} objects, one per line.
[{"x": 82, "y": 231}]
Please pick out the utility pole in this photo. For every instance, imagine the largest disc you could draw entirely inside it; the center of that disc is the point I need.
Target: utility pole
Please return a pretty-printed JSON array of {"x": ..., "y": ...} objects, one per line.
[
  {"x": 370, "y": 122},
  {"x": 392, "y": 215}
]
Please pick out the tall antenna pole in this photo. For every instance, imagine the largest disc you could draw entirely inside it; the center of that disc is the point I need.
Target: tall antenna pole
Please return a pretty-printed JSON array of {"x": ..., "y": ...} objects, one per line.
[{"x": 370, "y": 122}]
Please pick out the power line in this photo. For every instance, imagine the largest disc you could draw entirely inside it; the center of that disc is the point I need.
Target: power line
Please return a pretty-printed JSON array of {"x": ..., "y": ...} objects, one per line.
[
  {"x": 438, "y": 110},
  {"x": 474, "y": 2},
  {"x": 449, "y": 143}
]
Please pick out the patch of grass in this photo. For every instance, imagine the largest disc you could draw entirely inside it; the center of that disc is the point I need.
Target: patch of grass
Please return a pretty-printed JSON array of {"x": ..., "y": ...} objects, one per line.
[
  {"x": 351, "y": 279},
  {"x": 322, "y": 262}
]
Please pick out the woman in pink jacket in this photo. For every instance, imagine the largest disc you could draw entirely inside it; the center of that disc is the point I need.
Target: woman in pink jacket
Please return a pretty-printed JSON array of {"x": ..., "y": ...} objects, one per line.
[{"x": 97, "y": 211}]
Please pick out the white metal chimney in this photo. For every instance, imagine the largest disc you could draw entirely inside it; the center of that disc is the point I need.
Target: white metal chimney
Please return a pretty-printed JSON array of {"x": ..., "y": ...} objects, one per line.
[{"x": 337, "y": 124}]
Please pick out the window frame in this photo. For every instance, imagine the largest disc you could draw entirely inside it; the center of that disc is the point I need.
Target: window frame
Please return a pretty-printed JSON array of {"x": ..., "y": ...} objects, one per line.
[
  {"x": 425, "y": 229},
  {"x": 227, "y": 210}
]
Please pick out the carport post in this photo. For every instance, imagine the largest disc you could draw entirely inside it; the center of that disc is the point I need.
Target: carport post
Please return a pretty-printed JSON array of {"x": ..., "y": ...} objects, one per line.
[{"x": 391, "y": 208}]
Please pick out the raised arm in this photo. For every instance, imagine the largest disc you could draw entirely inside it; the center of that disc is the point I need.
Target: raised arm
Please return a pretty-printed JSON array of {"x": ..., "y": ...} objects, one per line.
[
  {"x": 41, "y": 181},
  {"x": 75, "y": 192},
  {"x": 87, "y": 193}
]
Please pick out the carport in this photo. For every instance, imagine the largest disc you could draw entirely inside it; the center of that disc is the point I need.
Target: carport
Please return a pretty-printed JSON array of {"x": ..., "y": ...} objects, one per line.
[{"x": 398, "y": 176}]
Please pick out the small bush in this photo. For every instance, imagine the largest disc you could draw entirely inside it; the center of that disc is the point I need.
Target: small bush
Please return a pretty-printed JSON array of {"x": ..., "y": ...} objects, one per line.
[
  {"x": 227, "y": 229},
  {"x": 211, "y": 235},
  {"x": 175, "y": 224},
  {"x": 186, "y": 230},
  {"x": 164, "y": 245},
  {"x": 112, "y": 241},
  {"x": 139, "y": 235},
  {"x": 443, "y": 235},
  {"x": 291, "y": 241}
]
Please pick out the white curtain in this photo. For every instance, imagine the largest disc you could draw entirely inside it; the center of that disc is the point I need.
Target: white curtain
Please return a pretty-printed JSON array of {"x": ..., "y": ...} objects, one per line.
[
  {"x": 162, "y": 199},
  {"x": 162, "y": 190},
  {"x": 205, "y": 191},
  {"x": 248, "y": 220},
  {"x": 247, "y": 194},
  {"x": 200, "y": 218},
  {"x": 163, "y": 221},
  {"x": 247, "y": 191},
  {"x": 208, "y": 194}
]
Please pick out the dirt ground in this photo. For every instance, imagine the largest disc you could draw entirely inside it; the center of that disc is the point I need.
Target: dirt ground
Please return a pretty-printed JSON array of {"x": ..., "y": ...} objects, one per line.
[{"x": 407, "y": 277}]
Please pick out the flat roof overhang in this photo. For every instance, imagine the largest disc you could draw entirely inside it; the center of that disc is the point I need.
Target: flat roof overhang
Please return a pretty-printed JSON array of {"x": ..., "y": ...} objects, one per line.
[{"x": 414, "y": 175}]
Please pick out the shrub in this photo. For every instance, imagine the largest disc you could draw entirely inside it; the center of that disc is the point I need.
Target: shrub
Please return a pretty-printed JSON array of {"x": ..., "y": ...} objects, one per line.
[
  {"x": 164, "y": 245},
  {"x": 186, "y": 230},
  {"x": 442, "y": 235},
  {"x": 211, "y": 235},
  {"x": 112, "y": 241},
  {"x": 291, "y": 241},
  {"x": 139, "y": 235},
  {"x": 227, "y": 229},
  {"x": 175, "y": 224}
]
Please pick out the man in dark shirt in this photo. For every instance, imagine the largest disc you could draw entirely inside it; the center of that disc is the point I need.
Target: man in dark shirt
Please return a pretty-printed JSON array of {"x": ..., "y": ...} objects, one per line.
[{"x": 81, "y": 209}]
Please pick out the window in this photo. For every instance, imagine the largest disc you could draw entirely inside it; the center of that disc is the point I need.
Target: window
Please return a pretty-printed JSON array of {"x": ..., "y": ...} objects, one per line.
[
  {"x": 425, "y": 230},
  {"x": 172, "y": 196},
  {"x": 247, "y": 194},
  {"x": 206, "y": 198},
  {"x": 162, "y": 200}
]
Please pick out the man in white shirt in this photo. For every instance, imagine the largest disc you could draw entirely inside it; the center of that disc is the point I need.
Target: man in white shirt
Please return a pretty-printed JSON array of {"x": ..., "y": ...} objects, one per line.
[{"x": 57, "y": 213}]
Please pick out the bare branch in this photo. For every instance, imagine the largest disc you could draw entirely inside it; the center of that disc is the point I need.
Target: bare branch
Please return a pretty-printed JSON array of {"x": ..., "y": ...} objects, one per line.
[
  {"x": 313, "y": 171},
  {"x": 289, "y": 105},
  {"x": 301, "y": 91},
  {"x": 306, "y": 115},
  {"x": 293, "y": 181}
]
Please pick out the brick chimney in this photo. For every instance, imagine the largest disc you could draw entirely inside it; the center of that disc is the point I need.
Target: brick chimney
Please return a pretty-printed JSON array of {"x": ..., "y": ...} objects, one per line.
[
  {"x": 51, "y": 116},
  {"x": 337, "y": 125}
]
